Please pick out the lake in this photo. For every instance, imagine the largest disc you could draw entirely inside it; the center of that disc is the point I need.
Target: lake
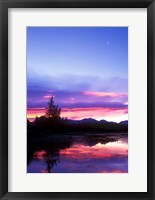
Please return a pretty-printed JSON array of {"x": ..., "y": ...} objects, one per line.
[{"x": 79, "y": 153}]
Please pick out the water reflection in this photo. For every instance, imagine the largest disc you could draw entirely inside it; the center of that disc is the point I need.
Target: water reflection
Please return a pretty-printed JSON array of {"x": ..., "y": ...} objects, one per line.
[{"x": 80, "y": 154}]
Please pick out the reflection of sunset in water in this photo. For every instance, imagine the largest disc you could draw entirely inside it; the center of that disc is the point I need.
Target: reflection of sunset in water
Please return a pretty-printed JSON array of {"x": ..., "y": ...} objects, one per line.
[
  {"x": 83, "y": 157},
  {"x": 39, "y": 154},
  {"x": 109, "y": 150}
]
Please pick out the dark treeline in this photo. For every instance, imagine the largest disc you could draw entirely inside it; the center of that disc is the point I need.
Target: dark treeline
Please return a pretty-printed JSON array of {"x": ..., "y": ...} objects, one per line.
[
  {"x": 48, "y": 126},
  {"x": 52, "y": 123}
]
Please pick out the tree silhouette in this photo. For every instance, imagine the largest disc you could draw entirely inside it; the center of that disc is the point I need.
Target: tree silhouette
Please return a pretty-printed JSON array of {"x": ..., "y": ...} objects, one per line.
[
  {"x": 50, "y": 162},
  {"x": 53, "y": 111}
]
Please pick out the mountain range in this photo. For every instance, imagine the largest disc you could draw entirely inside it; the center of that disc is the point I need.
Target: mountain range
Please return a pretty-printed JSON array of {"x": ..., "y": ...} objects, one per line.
[{"x": 91, "y": 120}]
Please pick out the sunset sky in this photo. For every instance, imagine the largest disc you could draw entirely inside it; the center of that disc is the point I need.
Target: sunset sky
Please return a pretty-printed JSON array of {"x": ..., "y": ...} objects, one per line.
[{"x": 85, "y": 68}]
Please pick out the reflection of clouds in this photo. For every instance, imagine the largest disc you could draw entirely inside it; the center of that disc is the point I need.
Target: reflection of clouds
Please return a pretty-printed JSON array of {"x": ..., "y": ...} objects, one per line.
[
  {"x": 36, "y": 166},
  {"x": 100, "y": 151},
  {"x": 39, "y": 154},
  {"x": 93, "y": 165},
  {"x": 114, "y": 171},
  {"x": 111, "y": 157}
]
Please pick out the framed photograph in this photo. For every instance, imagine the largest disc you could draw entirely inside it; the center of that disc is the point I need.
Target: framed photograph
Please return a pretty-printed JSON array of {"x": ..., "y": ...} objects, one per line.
[{"x": 77, "y": 99}]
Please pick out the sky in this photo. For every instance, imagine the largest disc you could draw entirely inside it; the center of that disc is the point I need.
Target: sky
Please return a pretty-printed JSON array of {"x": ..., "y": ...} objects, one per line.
[{"x": 84, "y": 68}]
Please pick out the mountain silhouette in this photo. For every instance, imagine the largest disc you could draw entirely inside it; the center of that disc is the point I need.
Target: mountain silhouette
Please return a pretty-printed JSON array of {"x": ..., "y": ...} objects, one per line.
[
  {"x": 91, "y": 120},
  {"x": 124, "y": 122}
]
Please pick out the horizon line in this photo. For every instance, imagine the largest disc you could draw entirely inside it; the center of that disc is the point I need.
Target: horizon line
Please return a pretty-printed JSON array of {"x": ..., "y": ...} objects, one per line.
[{"x": 81, "y": 119}]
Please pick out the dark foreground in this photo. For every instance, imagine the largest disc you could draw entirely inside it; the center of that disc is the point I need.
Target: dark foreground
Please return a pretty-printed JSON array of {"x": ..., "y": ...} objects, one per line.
[{"x": 78, "y": 153}]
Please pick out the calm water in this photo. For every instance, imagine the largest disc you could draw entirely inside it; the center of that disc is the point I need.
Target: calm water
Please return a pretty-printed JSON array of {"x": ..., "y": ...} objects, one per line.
[{"x": 91, "y": 153}]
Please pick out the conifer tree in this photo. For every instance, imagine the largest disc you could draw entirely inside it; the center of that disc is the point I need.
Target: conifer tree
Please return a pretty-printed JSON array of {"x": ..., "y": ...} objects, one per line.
[{"x": 53, "y": 111}]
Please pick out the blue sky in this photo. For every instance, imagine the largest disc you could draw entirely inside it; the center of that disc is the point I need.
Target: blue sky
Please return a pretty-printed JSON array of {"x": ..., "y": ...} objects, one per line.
[{"x": 77, "y": 65}]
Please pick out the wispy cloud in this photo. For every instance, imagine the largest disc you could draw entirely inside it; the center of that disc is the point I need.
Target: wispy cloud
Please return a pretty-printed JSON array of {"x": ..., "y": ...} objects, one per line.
[
  {"x": 77, "y": 113},
  {"x": 104, "y": 94},
  {"x": 77, "y": 97}
]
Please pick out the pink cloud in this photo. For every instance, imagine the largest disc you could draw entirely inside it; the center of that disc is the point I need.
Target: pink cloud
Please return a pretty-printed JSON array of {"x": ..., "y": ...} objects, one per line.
[
  {"x": 104, "y": 94},
  {"x": 48, "y": 96},
  {"x": 33, "y": 112},
  {"x": 110, "y": 114}
]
